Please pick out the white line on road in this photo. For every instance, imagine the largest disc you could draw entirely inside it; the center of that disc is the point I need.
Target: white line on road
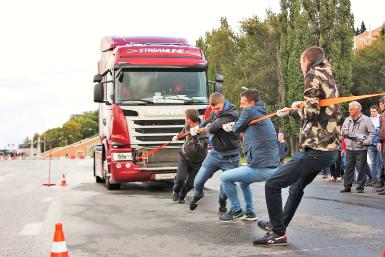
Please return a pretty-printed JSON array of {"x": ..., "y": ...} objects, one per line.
[
  {"x": 31, "y": 229},
  {"x": 47, "y": 199}
]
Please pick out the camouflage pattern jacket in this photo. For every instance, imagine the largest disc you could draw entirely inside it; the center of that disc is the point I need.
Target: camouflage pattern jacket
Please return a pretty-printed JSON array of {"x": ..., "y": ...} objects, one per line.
[{"x": 320, "y": 126}]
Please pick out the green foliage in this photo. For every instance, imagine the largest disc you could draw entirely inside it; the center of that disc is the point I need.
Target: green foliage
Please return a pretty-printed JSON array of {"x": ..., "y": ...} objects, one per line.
[
  {"x": 79, "y": 126},
  {"x": 265, "y": 54},
  {"x": 369, "y": 71}
]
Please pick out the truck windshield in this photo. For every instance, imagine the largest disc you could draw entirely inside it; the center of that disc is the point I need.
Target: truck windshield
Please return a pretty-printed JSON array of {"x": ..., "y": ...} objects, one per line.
[{"x": 161, "y": 87}]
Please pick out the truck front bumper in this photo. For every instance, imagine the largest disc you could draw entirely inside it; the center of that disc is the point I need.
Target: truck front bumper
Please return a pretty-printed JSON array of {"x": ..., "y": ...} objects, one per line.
[{"x": 127, "y": 171}]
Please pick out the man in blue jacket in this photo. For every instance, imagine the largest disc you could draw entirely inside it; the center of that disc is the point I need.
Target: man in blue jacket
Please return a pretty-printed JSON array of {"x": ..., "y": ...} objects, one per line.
[{"x": 261, "y": 150}]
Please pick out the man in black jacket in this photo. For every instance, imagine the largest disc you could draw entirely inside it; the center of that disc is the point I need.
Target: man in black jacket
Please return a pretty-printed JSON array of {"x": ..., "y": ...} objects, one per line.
[
  {"x": 225, "y": 147},
  {"x": 192, "y": 154}
]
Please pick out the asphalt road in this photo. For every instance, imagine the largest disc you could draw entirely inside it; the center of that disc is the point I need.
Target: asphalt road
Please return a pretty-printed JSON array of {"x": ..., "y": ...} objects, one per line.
[{"x": 141, "y": 219}]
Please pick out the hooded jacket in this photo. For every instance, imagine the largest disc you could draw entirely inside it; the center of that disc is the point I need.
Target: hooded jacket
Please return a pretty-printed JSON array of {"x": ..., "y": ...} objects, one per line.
[
  {"x": 260, "y": 139},
  {"x": 221, "y": 140},
  {"x": 194, "y": 148}
]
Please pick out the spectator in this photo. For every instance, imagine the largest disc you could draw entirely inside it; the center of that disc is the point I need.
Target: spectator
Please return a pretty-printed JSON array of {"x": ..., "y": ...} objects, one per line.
[
  {"x": 283, "y": 148},
  {"x": 381, "y": 142},
  {"x": 359, "y": 133},
  {"x": 374, "y": 154}
]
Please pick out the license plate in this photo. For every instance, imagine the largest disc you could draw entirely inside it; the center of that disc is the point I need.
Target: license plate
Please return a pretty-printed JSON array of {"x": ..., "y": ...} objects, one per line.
[{"x": 165, "y": 176}]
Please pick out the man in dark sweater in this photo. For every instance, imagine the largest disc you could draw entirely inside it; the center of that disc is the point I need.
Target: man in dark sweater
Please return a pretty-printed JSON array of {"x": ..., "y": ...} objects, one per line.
[
  {"x": 225, "y": 147},
  {"x": 192, "y": 154}
]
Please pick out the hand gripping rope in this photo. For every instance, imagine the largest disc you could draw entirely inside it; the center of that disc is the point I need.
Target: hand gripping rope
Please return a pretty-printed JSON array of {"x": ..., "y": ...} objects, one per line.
[{"x": 323, "y": 102}]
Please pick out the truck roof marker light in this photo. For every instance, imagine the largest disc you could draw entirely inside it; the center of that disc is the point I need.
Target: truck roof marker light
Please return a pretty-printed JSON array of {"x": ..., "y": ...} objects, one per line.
[{"x": 119, "y": 130}]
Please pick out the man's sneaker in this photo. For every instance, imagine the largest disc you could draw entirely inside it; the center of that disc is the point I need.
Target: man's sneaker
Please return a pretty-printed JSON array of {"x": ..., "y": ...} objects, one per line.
[
  {"x": 271, "y": 239},
  {"x": 181, "y": 201},
  {"x": 232, "y": 215},
  {"x": 222, "y": 206},
  {"x": 175, "y": 196},
  {"x": 250, "y": 216},
  {"x": 360, "y": 190},
  {"x": 194, "y": 203},
  {"x": 265, "y": 225},
  {"x": 346, "y": 190}
]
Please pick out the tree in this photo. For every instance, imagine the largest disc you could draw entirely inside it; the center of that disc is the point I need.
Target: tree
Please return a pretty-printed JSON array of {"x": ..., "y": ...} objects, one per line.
[
  {"x": 369, "y": 71},
  {"x": 363, "y": 27}
]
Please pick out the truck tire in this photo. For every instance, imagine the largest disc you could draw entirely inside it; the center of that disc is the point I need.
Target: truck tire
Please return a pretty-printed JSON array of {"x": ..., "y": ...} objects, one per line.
[
  {"x": 97, "y": 178},
  {"x": 110, "y": 186}
]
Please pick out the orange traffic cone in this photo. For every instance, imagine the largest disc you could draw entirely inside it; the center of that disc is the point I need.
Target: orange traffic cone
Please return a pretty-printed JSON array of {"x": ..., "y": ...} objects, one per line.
[
  {"x": 59, "y": 247},
  {"x": 63, "y": 181}
]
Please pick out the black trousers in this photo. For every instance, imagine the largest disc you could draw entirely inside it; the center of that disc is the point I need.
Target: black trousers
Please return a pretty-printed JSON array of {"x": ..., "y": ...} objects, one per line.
[
  {"x": 297, "y": 173},
  {"x": 382, "y": 176},
  {"x": 339, "y": 169},
  {"x": 185, "y": 175},
  {"x": 355, "y": 159}
]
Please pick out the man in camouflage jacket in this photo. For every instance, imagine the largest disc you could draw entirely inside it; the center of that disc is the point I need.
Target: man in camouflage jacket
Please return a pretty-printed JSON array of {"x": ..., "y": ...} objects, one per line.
[{"x": 319, "y": 140}]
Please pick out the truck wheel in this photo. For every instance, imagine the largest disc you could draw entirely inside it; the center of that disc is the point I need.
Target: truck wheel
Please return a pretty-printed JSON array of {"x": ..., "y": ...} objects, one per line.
[
  {"x": 110, "y": 186},
  {"x": 97, "y": 178}
]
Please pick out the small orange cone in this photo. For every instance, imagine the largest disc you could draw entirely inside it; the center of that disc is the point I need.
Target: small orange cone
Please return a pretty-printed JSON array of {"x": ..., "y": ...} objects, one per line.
[
  {"x": 59, "y": 247},
  {"x": 63, "y": 181}
]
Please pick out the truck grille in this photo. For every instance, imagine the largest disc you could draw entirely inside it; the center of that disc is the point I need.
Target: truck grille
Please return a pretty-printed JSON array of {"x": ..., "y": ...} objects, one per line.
[
  {"x": 157, "y": 130},
  {"x": 158, "y": 122}
]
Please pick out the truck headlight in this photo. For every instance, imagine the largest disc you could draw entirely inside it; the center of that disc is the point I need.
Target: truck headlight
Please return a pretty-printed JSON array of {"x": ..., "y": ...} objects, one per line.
[{"x": 121, "y": 156}]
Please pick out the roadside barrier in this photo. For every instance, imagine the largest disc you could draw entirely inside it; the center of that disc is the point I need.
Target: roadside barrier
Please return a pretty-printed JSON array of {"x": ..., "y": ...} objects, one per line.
[
  {"x": 323, "y": 102},
  {"x": 59, "y": 247}
]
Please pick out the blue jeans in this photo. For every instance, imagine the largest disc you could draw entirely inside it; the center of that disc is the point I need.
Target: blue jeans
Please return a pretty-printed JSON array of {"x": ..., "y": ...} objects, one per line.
[
  {"x": 210, "y": 165},
  {"x": 297, "y": 173},
  {"x": 245, "y": 175},
  {"x": 375, "y": 163}
]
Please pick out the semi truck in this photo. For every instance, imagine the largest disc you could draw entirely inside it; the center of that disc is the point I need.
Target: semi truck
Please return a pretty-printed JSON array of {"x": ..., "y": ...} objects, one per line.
[{"x": 143, "y": 87}]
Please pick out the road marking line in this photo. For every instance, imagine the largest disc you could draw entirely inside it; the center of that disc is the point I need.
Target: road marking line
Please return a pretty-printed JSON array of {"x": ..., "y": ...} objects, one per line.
[
  {"x": 31, "y": 229},
  {"x": 47, "y": 199}
]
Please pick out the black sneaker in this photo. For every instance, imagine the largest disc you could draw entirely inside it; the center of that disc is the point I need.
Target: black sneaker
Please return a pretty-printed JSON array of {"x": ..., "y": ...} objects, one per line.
[
  {"x": 271, "y": 239},
  {"x": 181, "y": 201},
  {"x": 222, "y": 206},
  {"x": 232, "y": 215},
  {"x": 360, "y": 190},
  {"x": 250, "y": 216},
  {"x": 265, "y": 225},
  {"x": 194, "y": 203},
  {"x": 346, "y": 190},
  {"x": 175, "y": 196}
]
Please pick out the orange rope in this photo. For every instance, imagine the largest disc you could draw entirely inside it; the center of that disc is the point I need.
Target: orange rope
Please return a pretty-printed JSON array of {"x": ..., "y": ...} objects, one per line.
[{"x": 323, "y": 102}]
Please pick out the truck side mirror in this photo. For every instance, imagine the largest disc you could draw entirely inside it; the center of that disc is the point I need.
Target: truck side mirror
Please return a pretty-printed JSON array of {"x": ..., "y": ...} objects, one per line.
[
  {"x": 98, "y": 93},
  {"x": 98, "y": 78},
  {"x": 219, "y": 78}
]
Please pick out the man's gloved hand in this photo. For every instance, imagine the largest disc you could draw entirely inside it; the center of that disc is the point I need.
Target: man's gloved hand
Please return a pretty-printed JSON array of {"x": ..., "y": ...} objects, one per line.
[
  {"x": 194, "y": 131},
  {"x": 297, "y": 104},
  {"x": 283, "y": 112},
  {"x": 228, "y": 127},
  {"x": 174, "y": 138},
  {"x": 208, "y": 127}
]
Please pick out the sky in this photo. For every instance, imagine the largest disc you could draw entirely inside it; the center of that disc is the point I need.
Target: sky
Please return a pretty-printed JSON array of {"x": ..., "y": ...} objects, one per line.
[{"x": 49, "y": 49}]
